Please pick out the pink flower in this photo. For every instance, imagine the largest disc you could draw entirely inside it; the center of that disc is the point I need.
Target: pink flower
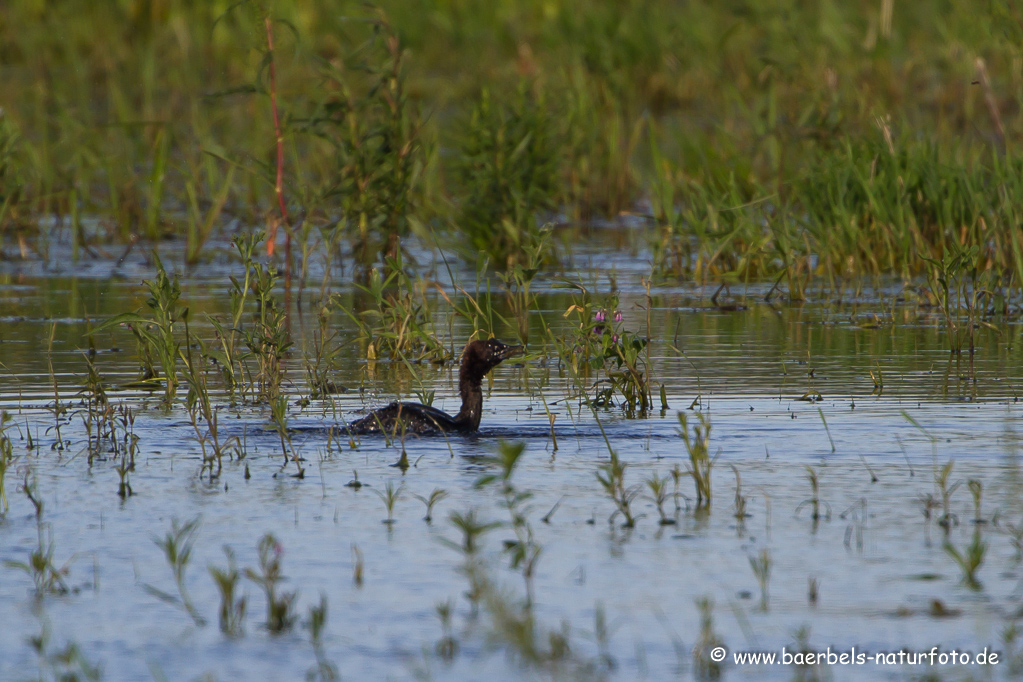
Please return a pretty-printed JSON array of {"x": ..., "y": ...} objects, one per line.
[
  {"x": 618, "y": 316},
  {"x": 614, "y": 338},
  {"x": 600, "y": 316}
]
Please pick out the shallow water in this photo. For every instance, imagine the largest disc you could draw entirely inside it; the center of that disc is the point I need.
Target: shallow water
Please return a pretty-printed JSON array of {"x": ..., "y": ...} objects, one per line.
[{"x": 880, "y": 564}]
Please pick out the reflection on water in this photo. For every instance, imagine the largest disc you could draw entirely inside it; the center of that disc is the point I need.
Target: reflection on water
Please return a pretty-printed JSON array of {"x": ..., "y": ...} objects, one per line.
[{"x": 892, "y": 408}]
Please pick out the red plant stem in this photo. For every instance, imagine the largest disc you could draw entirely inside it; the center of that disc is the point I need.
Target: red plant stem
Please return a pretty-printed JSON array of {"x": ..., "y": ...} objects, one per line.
[{"x": 279, "y": 186}]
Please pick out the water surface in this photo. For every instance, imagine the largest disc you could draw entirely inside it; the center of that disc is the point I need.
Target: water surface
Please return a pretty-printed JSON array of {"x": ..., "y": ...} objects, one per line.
[{"x": 885, "y": 579}]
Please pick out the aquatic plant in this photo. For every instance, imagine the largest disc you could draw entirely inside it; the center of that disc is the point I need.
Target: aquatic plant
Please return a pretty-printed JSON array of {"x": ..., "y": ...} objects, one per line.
[
  {"x": 279, "y": 419},
  {"x": 517, "y": 279},
  {"x": 31, "y": 491},
  {"x": 740, "y": 499},
  {"x": 1015, "y": 533},
  {"x": 397, "y": 319},
  {"x": 228, "y": 359},
  {"x": 698, "y": 216},
  {"x": 373, "y": 130},
  {"x": 268, "y": 338},
  {"x": 109, "y": 429},
  {"x": 704, "y": 666},
  {"x": 232, "y": 608},
  {"x": 155, "y": 335},
  {"x": 600, "y": 134},
  {"x": 47, "y": 578},
  {"x": 447, "y": 646},
  {"x": 203, "y": 219},
  {"x": 857, "y": 515},
  {"x": 969, "y": 560},
  {"x": 6, "y": 457},
  {"x": 808, "y": 669},
  {"x": 279, "y": 615},
  {"x": 98, "y": 412},
  {"x": 612, "y": 478},
  {"x": 324, "y": 669},
  {"x": 889, "y": 189},
  {"x": 512, "y": 622},
  {"x": 813, "y": 590},
  {"x": 422, "y": 393},
  {"x": 815, "y": 502},
  {"x": 390, "y": 497},
  {"x": 1010, "y": 633},
  {"x": 358, "y": 566},
  {"x": 700, "y": 462},
  {"x": 11, "y": 170},
  {"x": 877, "y": 380},
  {"x": 57, "y": 408},
  {"x": 953, "y": 282},
  {"x": 600, "y": 342},
  {"x": 977, "y": 492},
  {"x": 658, "y": 488},
  {"x": 67, "y": 663},
  {"x": 814, "y": 394},
  {"x": 602, "y": 637},
  {"x": 507, "y": 172},
  {"x": 761, "y": 566},
  {"x": 676, "y": 482},
  {"x": 524, "y": 552},
  {"x": 476, "y": 307},
  {"x": 177, "y": 548},
  {"x": 123, "y": 468},
  {"x": 282, "y": 204},
  {"x": 526, "y": 640},
  {"x": 200, "y": 409},
  {"x": 436, "y": 496},
  {"x": 945, "y": 488},
  {"x": 795, "y": 183},
  {"x": 324, "y": 361},
  {"x": 123, "y": 434},
  {"x": 154, "y": 190},
  {"x": 472, "y": 528},
  {"x": 626, "y": 372}
]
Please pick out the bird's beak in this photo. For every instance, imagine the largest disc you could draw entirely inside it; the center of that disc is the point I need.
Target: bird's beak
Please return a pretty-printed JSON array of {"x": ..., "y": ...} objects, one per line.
[{"x": 510, "y": 352}]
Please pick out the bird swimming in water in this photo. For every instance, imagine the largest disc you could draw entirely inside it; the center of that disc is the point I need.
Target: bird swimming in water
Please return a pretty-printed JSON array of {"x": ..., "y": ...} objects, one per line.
[{"x": 478, "y": 358}]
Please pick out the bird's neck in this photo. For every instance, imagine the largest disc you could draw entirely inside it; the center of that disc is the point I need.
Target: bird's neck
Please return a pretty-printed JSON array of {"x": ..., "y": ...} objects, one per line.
[{"x": 470, "y": 388}]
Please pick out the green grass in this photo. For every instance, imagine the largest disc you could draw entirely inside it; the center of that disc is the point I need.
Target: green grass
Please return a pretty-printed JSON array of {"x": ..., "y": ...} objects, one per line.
[
  {"x": 811, "y": 142},
  {"x": 507, "y": 172}
]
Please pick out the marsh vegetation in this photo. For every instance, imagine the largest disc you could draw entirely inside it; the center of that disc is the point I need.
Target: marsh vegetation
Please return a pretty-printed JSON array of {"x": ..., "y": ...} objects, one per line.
[{"x": 765, "y": 260}]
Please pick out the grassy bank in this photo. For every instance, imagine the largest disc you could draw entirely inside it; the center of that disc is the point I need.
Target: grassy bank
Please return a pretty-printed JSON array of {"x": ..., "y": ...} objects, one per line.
[{"x": 762, "y": 139}]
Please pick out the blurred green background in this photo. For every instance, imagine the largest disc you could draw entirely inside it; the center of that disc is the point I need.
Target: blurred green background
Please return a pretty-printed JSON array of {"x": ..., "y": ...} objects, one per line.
[{"x": 757, "y": 138}]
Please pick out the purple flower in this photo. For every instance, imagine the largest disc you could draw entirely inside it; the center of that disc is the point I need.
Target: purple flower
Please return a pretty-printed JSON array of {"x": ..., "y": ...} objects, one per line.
[
  {"x": 614, "y": 338},
  {"x": 600, "y": 316},
  {"x": 618, "y": 316}
]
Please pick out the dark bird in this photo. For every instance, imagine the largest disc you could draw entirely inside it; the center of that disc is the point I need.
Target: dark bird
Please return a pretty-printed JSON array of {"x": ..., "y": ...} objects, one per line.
[{"x": 478, "y": 358}]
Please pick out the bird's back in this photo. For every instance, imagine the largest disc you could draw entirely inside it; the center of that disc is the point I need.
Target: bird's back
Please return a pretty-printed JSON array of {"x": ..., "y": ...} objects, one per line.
[{"x": 398, "y": 418}]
